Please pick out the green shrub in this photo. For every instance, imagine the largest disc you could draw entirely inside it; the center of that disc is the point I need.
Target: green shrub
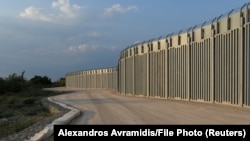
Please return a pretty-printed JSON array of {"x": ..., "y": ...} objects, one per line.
[
  {"x": 4, "y": 114},
  {"x": 29, "y": 101},
  {"x": 33, "y": 110},
  {"x": 11, "y": 100},
  {"x": 2, "y": 86},
  {"x": 17, "y": 104},
  {"x": 15, "y": 86}
]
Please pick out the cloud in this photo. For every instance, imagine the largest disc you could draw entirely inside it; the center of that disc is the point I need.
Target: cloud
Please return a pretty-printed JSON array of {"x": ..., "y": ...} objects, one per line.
[
  {"x": 83, "y": 48},
  {"x": 94, "y": 34},
  {"x": 36, "y": 14},
  {"x": 117, "y": 9},
  {"x": 60, "y": 10},
  {"x": 66, "y": 9}
]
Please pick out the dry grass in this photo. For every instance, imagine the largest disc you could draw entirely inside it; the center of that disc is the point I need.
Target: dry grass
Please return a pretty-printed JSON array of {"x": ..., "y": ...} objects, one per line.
[{"x": 21, "y": 110}]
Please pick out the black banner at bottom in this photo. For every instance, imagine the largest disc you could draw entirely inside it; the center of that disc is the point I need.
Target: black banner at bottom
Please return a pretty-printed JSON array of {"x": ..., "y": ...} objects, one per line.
[{"x": 204, "y": 132}]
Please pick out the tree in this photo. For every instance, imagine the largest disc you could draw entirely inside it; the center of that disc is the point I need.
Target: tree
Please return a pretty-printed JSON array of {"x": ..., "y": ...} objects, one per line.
[
  {"x": 59, "y": 83},
  {"x": 41, "y": 81},
  {"x": 2, "y": 85},
  {"x": 14, "y": 83}
]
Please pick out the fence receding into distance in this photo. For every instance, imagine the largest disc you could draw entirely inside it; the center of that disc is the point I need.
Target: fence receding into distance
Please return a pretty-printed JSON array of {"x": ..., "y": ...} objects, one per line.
[{"x": 207, "y": 63}]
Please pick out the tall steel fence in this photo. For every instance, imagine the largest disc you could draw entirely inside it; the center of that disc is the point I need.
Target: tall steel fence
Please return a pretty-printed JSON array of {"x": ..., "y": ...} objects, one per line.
[
  {"x": 93, "y": 79},
  {"x": 208, "y": 62}
]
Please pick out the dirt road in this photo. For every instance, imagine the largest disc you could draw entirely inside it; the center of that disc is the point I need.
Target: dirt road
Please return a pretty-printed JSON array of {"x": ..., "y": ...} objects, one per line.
[{"x": 108, "y": 107}]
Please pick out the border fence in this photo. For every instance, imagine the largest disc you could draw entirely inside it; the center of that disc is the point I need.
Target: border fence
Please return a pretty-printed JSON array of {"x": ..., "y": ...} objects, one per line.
[
  {"x": 207, "y": 63},
  {"x": 93, "y": 79}
]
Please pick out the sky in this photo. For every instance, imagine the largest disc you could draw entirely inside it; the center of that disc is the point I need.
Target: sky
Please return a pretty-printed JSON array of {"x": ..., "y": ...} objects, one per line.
[{"x": 55, "y": 37}]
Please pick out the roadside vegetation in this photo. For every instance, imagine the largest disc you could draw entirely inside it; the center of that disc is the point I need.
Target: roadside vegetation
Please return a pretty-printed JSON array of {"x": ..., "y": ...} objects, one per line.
[{"x": 20, "y": 101}]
